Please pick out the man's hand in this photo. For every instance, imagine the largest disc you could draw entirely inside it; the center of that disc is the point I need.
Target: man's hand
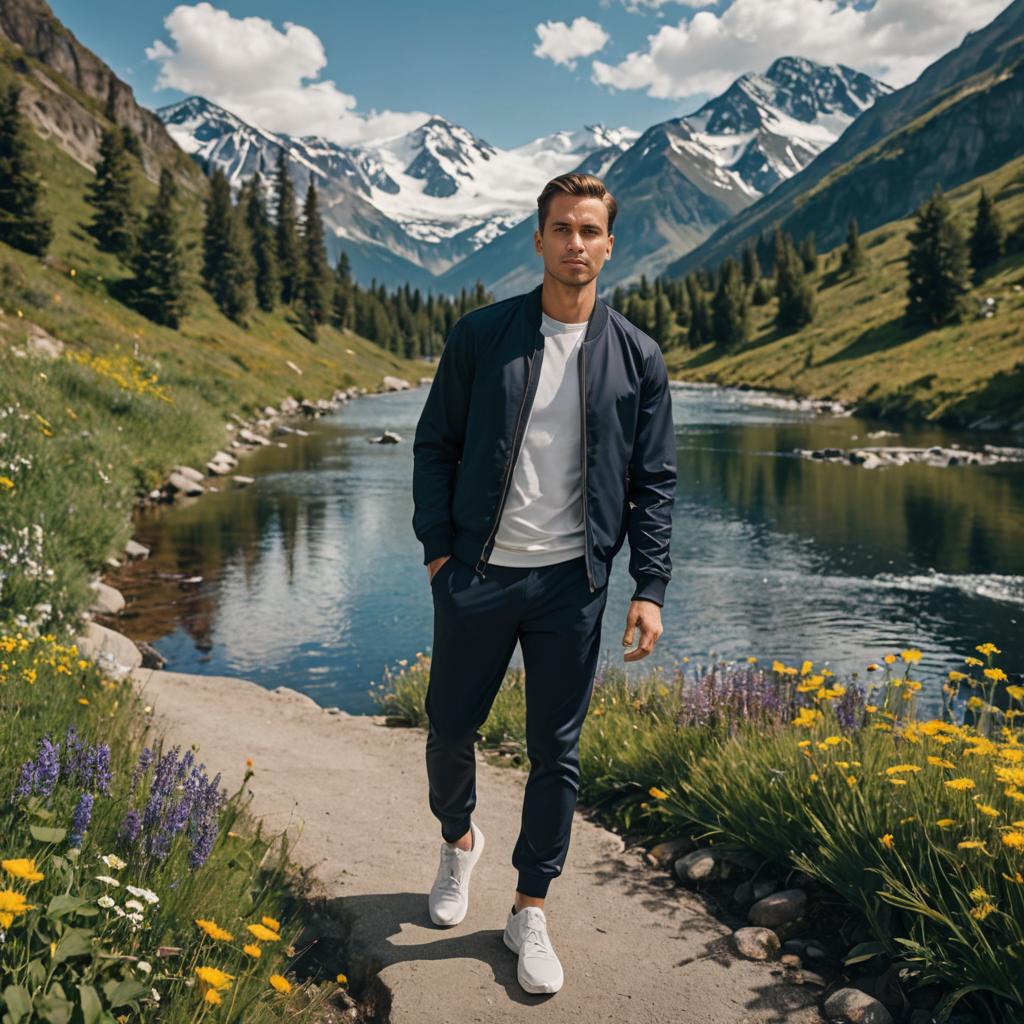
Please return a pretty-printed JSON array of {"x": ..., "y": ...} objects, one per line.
[
  {"x": 646, "y": 615},
  {"x": 436, "y": 564}
]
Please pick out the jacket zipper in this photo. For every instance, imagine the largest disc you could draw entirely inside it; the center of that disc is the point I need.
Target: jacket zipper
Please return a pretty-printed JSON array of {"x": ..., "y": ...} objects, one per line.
[
  {"x": 583, "y": 465},
  {"x": 508, "y": 469}
]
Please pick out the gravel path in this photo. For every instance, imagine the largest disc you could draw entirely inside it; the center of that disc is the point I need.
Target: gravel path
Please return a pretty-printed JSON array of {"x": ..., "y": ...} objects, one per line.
[{"x": 353, "y": 793}]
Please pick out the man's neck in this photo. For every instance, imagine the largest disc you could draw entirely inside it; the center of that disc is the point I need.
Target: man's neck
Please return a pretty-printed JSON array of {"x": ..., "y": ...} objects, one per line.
[{"x": 565, "y": 303}]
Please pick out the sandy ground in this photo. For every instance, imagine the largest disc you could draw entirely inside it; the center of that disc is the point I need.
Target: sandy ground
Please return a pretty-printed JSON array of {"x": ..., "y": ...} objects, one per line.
[{"x": 352, "y": 792}]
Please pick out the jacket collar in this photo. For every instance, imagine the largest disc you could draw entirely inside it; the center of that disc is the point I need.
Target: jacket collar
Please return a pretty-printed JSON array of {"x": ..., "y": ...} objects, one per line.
[{"x": 531, "y": 309}]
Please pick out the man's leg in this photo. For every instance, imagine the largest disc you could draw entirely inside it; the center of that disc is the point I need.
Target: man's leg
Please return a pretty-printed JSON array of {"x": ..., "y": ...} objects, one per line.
[
  {"x": 560, "y": 634},
  {"x": 475, "y": 623}
]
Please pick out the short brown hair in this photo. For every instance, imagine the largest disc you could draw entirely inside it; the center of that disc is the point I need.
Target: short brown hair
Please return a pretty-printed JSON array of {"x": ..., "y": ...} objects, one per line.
[{"x": 576, "y": 185}]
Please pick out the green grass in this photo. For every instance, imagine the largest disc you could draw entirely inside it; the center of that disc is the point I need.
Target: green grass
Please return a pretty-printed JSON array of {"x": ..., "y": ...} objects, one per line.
[{"x": 860, "y": 351}]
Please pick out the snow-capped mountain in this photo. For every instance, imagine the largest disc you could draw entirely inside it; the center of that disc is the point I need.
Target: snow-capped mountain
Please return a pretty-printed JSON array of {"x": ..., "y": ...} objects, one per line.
[
  {"x": 441, "y": 207},
  {"x": 684, "y": 177},
  {"x": 427, "y": 198}
]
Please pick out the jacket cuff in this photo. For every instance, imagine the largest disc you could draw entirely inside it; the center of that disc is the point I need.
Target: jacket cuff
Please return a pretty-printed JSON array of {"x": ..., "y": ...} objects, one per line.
[
  {"x": 650, "y": 588},
  {"x": 436, "y": 543}
]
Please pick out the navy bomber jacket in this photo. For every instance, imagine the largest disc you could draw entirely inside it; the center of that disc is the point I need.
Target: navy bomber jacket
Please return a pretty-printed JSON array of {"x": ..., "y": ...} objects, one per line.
[{"x": 472, "y": 425}]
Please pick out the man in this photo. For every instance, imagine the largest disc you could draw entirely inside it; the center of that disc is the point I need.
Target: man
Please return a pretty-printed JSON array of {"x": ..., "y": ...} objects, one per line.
[{"x": 546, "y": 438}]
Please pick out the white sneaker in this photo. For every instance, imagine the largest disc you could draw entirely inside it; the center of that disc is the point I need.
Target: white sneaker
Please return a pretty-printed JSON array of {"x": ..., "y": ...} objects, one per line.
[
  {"x": 526, "y": 933},
  {"x": 449, "y": 897}
]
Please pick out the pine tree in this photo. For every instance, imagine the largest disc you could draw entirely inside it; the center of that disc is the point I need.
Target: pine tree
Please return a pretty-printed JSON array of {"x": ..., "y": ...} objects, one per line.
[
  {"x": 751, "y": 266},
  {"x": 729, "y": 310},
  {"x": 795, "y": 292},
  {"x": 158, "y": 288},
  {"x": 228, "y": 265},
  {"x": 315, "y": 285},
  {"x": 809, "y": 254},
  {"x": 988, "y": 236},
  {"x": 23, "y": 221},
  {"x": 852, "y": 259},
  {"x": 700, "y": 320},
  {"x": 936, "y": 264},
  {"x": 266, "y": 282},
  {"x": 663, "y": 321},
  {"x": 115, "y": 224},
  {"x": 286, "y": 233}
]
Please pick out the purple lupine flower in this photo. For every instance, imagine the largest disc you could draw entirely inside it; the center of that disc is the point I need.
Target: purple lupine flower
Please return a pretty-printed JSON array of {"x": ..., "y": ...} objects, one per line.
[
  {"x": 26, "y": 780},
  {"x": 145, "y": 760},
  {"x": 95, "y": 770},
  {"x": 80, "y": 819},
  {"x": 47, "y": 767},
  {"x": 75, "y": 753},
  {"x": 131, "y": 826},
  {"x": 202, "y": 846}
]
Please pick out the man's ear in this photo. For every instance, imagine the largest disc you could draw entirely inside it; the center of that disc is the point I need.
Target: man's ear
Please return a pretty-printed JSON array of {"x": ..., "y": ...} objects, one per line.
[
  {"x": 538, "y": 241},
  {"x": 611, "y": 243}
]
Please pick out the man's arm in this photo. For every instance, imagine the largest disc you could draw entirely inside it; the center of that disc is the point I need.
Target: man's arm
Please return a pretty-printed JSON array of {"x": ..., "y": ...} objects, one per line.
[
  {"x": 652, "y": 476},
  {"x": 437, "y": 446}
]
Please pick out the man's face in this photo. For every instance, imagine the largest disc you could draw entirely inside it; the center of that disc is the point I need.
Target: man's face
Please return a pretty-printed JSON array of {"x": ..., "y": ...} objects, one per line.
[{"x": 575, "y": 242}]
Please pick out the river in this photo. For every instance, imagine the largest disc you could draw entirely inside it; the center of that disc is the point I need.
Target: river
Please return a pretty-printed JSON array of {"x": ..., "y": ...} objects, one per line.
[{"x": 312, "y": 578}]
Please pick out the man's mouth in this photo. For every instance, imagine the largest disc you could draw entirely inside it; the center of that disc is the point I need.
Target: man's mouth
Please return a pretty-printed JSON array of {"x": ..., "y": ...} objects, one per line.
[{"x": 576, "y": 263}]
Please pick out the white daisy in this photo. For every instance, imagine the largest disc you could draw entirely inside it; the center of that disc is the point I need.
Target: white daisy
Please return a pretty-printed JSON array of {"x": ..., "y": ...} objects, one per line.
[
  {"x": 147, "y": 894},
  {"x": 105, "y": 901},
  {"x": 113, "y": 861},
  {"x": 134, "y": 905},
  {"x": 108, "y": 880}
]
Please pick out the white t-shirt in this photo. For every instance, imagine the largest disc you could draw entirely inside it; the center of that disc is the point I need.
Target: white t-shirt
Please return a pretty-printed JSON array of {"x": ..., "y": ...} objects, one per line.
[{"x": 542, "y": 521}]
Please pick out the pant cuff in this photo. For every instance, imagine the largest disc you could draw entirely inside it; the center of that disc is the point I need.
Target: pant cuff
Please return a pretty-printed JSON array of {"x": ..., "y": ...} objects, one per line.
[
  {"x": 450, "y": 833},
  {"x": 533, "y": 885}
]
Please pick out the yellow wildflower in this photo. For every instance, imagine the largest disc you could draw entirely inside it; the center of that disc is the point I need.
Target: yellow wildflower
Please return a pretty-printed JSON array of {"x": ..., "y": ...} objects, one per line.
[
  {"x": 872, "y": 667},
  {"x": 271, "y": 922},
  {"x": 945, "y": 822},
  {"x": 988, "y": 648},
  {"x": 1014, "y": 840},
  {"x": 911, "y": 656},
  {"x": 262, "y": 932},
  {"x": 887, "y": 841},
  {"x": 806, "y": 667},
  {"x": 213, "y": 996},
  {"x": 215, "y": 977},
  {"x": 280, "y": 983},
  {"x": 252, "y": 950},
  {"x": 898, "y": 782},
  {"x": 6, "y": 481},
  {"x": 1016, "y": 692},
  {"x": 12, "y": 904},
  {"x": 970, "y": 844},
  {"x": 214, "y": 930},
  {"x": 997, "y": 675},
  {"x": 940, "y": 762},
  {"x": 813, "y": 776},
  {"x": 889, "y": 659},
  {"x": 900, "y": 769},
  {"x": 22, "y": 867},
  {"x": 341, "y": 979},
  {"x": 962, "y": 783},
  {"x": 658, "y": 794},
  {"x": 973, "y": 661},
  {"x": 982, "y": 910},
  {"x": 807, "y": 717},
  {"x": 987, "y": 809}
]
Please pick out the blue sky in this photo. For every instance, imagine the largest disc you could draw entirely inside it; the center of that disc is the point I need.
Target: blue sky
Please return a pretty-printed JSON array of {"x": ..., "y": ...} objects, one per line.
[{"x": 508, "y": 72}]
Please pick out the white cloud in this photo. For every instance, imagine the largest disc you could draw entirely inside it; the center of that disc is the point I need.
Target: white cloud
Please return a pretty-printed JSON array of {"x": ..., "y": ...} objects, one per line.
[
  {"x": 564, "y": 43},
  {"x": 894, "y": 40},
  {"x": 633, "y": 6},
  {"x": 266, "y": 76}
]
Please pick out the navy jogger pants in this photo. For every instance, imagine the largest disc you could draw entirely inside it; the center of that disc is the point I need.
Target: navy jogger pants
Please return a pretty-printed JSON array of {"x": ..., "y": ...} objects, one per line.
[{"x": 552, "y": 612}]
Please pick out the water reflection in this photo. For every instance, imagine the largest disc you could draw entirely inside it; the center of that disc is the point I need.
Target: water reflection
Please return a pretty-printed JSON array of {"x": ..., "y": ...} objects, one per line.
[{"x": 313, "y": 579}]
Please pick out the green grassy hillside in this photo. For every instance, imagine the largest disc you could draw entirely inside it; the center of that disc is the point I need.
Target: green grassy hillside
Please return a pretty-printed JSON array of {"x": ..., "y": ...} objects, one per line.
[
  {"x": 859, "y": 349},
  {"x": 82, "y": 436}
]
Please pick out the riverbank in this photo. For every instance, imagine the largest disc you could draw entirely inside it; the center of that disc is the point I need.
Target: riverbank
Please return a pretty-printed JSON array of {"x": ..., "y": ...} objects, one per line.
[{"x": 352, "y": 792}]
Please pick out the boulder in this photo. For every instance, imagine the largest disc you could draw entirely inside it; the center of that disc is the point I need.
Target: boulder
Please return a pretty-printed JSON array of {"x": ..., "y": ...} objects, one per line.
[
  {"x": 756, "y": 943},
  {"x": 390, "y": 383},
  {"x": 218, "y": 468},
  {"x": 179, "y": 484},
  {"x": 242, "y": 481},
  {"x": 851, "y": 1006},
  {"x": 115, "y": 654},
  {"x": 151, "y": 657},
  {"x": 388, "y": 437},
  {"x": 133, "y": 549},
  {"x": 189, "y": 473},
  {"x": 107, "y": 600},
  {"x": 700, "y": 866},
  {"x": 779, "y": 908},
  {"x": 663, "y": 854}
]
